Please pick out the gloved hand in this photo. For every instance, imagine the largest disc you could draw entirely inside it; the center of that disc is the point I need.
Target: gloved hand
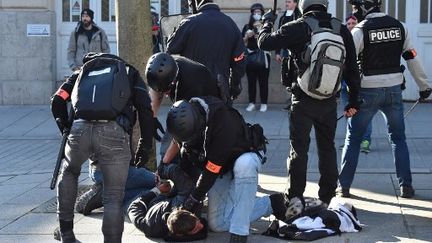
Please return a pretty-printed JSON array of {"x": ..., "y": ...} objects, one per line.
[
  {"x": 161, "y": 169},
  {"x": 157, "y": 126},
  {"x": 235, "y": 91},
  {"x": 269, "y": 17},
  {"x": 425, "y": 93},
  {"x": 141, "y": 155},
  {"x": 62, "y": 125},
  {"x": 192, "y": 205}
]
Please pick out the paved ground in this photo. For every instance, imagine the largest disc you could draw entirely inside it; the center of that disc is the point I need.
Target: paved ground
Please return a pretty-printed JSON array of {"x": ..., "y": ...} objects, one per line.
[{"x": 29, "y": 143}]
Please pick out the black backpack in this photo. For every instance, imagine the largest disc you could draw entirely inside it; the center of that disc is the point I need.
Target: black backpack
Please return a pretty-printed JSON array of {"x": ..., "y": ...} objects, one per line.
[{"x": 102, "y": 89}]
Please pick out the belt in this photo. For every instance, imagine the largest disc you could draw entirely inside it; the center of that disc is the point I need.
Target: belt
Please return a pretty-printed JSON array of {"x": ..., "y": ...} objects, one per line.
[{"x": 93, "y": 121}]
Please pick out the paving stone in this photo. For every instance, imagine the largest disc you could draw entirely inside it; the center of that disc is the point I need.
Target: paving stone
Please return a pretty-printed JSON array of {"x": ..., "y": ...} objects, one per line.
[
  {"x": 32, "y": 223},
  {"x": 11, "y": 212},
  {"x": 28, "y": 179}
]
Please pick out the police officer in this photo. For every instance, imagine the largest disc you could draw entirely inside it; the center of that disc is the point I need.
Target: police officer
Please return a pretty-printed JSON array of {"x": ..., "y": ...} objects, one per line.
[
  {"x": 107, "y": 141},
  {"x": 212, "y": 137},
  {"x": 380, "y": 42},
  {"x": 213, "y": 39},
  {"x": 307, "y": 111},
  {"x": 180, "y": 78}
]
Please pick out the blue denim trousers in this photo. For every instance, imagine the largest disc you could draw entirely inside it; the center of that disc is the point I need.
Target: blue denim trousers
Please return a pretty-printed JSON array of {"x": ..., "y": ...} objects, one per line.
[
  {"x": 139, "y": 180},
  {"x": 344, "y": 101},
  {"x": 108, "y": 143},
  {"x": 389, "y": 101},
  {"x": 232, "y": 202}
]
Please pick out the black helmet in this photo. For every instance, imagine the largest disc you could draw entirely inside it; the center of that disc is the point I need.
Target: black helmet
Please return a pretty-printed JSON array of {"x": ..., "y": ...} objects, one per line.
[
  {"x": 185, "y": 121},
  {"x": 161, "y": 71},
  {"x": 256, "y": 6}
]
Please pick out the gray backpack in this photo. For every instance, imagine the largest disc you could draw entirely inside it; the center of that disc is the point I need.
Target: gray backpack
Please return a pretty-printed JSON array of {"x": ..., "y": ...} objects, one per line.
[{"x": 325, "y": 56}]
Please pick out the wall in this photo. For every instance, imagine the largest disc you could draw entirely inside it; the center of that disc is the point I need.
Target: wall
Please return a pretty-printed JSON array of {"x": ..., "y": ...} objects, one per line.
[{"x": 27, "y": 64}]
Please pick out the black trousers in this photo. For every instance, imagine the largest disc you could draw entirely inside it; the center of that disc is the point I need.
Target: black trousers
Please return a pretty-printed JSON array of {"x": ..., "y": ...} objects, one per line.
[
  {"x": 262, "y": 76},
  {"x": 306, "y": 113}
]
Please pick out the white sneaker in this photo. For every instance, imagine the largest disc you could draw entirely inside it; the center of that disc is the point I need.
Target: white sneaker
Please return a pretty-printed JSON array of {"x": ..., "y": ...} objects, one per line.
[
  {"x": 250, "y": 107},
  {"x": 263, "y": 108}
]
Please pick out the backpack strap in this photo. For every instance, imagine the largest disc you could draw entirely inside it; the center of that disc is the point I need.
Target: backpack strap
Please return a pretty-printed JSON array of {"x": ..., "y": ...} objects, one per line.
[
  {"x": 336, "y": 25},
  {"x": 313, "y": 23}
]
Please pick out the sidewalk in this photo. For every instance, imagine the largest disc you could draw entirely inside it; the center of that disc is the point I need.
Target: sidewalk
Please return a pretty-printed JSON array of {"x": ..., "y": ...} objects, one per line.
[{"x": 29, "y": 143}]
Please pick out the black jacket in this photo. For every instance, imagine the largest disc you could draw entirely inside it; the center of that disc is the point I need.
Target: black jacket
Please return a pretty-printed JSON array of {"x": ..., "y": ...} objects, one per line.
[
  {"x": 295, "y": 36},
  {"x": 213, "y": 39},
  {"x": 224, "y": 142},
  {"x": 286, "y": 19},
  {"x": 193, "y": 79},
  {"x": 140, "y": 101}
]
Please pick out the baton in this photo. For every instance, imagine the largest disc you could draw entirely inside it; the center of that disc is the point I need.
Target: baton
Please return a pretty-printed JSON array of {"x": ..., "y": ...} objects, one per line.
[
  {"x": 274, "y": 6},
  {"x": 412, "y": 108}
]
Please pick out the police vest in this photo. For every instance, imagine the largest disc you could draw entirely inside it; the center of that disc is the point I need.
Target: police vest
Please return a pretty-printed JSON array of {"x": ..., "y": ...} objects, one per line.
[{"x": 384, "y": 38}]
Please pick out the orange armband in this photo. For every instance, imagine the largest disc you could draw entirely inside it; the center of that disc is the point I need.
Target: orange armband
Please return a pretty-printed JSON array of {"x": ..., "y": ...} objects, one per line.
[
  {"x": 214, "y": 168},
  {"x": 62, "y": 93}
]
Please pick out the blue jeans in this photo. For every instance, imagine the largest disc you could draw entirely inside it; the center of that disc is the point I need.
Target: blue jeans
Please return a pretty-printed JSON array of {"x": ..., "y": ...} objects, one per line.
[
  {"x": 231, "y": 199},
  {"x": 139, "y": 180},
  {"x": 344, "y": 101},
  {"x": 389, "y": 101}
]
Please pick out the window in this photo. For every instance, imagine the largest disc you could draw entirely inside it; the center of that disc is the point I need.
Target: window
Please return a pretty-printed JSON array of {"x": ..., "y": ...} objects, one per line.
[
  {"x": 108, "y": 10},
  {"x": 425, "y": 12},
  {"x": 72, "y": 9},
  {"x": 394, "y": 8}
]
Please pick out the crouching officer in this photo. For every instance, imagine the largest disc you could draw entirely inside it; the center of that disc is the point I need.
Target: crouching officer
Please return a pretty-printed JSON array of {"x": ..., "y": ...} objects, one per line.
[
  {"x": 314, "y": 93},
  {"x": 104, "y": 96},
  {"x": 213, "y": 138},
  {"x": 181, "y": 79},
  {"x": 380, "y": 42}
]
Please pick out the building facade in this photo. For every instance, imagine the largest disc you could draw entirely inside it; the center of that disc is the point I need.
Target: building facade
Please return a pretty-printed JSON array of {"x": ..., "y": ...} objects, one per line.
[{"x": 34, "y": 36}]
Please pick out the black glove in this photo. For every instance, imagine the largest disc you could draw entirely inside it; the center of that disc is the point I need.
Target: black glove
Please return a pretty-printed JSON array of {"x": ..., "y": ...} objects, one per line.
[
  {"x": 425, "y": 93},
  {"x": 141, "y": 155},
  {"x": 161, "y": 169},
  {"x": 192, "y": 205},
  {"x": 235, "y": 91},
  {"x": 157, "y": 126},
  {"x": 355, "y": 105},
  {"x": 62, "y": 125},
  {"x": 269, "y": 17}
]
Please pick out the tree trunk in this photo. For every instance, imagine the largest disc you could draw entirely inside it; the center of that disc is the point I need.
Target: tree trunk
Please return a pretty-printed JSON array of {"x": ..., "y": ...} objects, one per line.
[{"x": 134, "y": 45}]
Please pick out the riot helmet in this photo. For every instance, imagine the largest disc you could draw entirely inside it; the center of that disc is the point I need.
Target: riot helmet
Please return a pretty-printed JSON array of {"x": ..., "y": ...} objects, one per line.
[
  {"x": 196, "y": 4},
  {"x": 161, "y": 71},
  {"x": 186, "y": 121},
  {"x": 364, "y": 7},
  {"x": 305, "y": 4}
]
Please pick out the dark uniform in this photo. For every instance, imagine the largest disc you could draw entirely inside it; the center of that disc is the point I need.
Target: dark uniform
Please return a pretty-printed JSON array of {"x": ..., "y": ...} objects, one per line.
[
  {"x": 307, "y": 112},
  {"x": 380, "y": 42},
  {"x": 213, "y": 39},
  {"x": 107, "y": 142},
  {"x": 193, "y": 79}
]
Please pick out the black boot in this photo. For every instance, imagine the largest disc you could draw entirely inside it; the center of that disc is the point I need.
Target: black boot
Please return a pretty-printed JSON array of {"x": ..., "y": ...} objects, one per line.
[
  {"x": 238, "y": 238},
  {"x": 90, "y": 200},
  {"x": 278, "y": 205},
  {"x": 65, "y": 233}
]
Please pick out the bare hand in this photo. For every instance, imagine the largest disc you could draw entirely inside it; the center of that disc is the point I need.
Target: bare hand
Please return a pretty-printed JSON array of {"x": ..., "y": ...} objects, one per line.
[
  {"x": 249, "y": 33},
  {"x": 278, "y": 58},
  {"x": 350, "y": 112}
]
